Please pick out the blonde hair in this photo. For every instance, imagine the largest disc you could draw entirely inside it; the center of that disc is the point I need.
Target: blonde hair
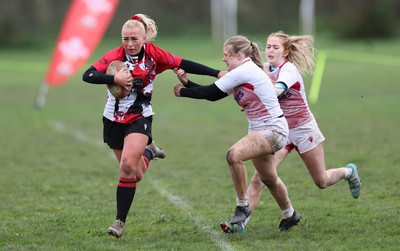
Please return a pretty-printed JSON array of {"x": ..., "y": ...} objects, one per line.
[
  {"x": 248, "y": 48},
  {"x": 146, "y": 24},
  {"x": 300, "y": 50}
]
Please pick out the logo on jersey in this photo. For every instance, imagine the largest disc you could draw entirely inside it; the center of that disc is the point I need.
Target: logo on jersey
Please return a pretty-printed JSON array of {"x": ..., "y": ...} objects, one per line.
[
  {"x": 239, "y": 95},
  {"x": 284, "y": 95}
]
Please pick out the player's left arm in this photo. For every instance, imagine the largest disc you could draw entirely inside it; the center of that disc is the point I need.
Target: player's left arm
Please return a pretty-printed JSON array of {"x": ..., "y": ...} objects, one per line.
[
  {"x": 280, "y": 87},
  {"x": 286, "y": 79},
  {"x": 197, "y": 68}
]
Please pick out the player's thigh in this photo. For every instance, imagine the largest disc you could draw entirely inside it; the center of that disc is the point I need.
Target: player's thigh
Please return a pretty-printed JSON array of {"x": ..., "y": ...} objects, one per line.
[
  {"x": 118, "y": 154},
  {"x": 249, "y": 147},
  {"x": 134, "y": 146},
  {"x": 315, "y": 163},
  {"x": 266, "y": 167},
  {"x": 281, "y": 155}
]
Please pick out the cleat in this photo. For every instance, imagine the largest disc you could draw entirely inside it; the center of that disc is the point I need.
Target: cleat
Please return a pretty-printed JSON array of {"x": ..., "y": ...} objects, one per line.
[
  {"x": 287, "y": 224},
  {"x": 241, "y": 215},
  {"x": 229, "y": 228},
  {"x": 226, "y": 227},
  {"x": 156, "y": 151},
  {"x": 116, "y": 229},
  {"x": 354, "y": 181},
  {"x": 247, "y": 220}
]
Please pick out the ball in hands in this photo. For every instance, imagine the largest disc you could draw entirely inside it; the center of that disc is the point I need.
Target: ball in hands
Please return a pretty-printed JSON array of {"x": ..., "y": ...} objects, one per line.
[{"x": 116, "y": 90}]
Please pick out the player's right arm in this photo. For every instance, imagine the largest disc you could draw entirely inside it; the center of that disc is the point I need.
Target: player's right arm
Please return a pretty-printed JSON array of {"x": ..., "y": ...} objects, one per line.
[
  {"x": 121, "y": 78},
  {"x": 209, "y": 92}
]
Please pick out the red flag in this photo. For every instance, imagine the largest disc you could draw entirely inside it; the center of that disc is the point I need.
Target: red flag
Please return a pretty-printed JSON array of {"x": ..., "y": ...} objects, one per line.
[{"x": 82, "y": 31}]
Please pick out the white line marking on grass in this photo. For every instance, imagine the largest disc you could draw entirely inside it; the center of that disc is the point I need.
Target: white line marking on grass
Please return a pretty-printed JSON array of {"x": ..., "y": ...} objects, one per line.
[
  {"x": 199, "y": 221},
  {"x": 177, "y": 201},
  {"x": 60, "y": 127}
]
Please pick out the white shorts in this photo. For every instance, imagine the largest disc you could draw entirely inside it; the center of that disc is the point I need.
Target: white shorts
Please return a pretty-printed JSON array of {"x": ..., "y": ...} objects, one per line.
[
  {"x": 304, "y": 138},
  {"x": 275, "y": 134}
]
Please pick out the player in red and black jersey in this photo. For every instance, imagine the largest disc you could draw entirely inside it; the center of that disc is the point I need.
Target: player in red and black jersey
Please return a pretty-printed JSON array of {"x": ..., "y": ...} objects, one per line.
[{"x": 128, "y": 121}]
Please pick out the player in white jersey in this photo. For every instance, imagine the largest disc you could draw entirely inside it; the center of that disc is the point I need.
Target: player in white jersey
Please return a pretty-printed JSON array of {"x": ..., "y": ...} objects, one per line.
[
  {"x": 288, "y": 57},
  {"x": 267, "y": 133}
]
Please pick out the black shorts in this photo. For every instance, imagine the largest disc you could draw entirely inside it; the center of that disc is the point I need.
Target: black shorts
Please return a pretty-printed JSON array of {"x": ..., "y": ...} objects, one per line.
[{"x": 114, "y": 133}]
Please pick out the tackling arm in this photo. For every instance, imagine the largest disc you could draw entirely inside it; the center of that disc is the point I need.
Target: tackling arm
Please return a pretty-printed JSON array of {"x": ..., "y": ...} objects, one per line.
[
  {"x": 199, "y": 69},
  {"x": 196, "y": 91}
]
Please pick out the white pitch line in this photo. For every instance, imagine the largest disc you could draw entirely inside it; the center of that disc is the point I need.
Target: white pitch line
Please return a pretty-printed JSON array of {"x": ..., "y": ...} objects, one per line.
[
  {"x": 199, "y": 221},
  {"x": 177, "y": 201}
]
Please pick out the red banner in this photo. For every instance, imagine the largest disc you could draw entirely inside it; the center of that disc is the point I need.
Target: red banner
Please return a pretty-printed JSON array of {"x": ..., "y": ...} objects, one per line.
[{"x": 82, "y": 31}]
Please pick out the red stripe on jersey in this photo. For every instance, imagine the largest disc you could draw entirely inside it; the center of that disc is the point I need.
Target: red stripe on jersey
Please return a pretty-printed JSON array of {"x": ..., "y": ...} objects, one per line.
[
  {"x": 280, "y": 67},
  {"x": 249, "y": 86},
  {"x": 126, "y": 118},
  {"x": 296, "y": 86}
]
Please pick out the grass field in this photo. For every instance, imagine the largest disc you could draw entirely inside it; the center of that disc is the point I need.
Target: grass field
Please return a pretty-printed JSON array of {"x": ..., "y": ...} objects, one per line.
[{"x": 58, "y": 179}]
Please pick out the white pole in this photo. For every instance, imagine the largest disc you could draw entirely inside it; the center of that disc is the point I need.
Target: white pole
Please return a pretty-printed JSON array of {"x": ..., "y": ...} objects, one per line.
[
  {"x": 216, "y": 20},
  {"x": 230, "y": 18},
  {"x": 223, "y": 19},
  {"x": 41, "y": 98},
  {"x": 307, "y": 17}
]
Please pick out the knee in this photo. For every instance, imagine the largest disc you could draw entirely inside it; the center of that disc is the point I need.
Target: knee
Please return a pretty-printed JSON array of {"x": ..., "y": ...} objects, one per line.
[
  {"x": 270, "y": 181},
  {"x": 139, "y": 177},
  {"x": 256, "y": 181},
  {"x": 231, "y": 157},
  {"x": 321, "y": 185},
  {"x": 128, "y": 168},
  {"x": 321, "y": 180}
]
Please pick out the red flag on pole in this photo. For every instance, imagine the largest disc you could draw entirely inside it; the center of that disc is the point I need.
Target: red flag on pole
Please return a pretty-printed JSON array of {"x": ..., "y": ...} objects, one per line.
[{"x": 82, "y": 30}]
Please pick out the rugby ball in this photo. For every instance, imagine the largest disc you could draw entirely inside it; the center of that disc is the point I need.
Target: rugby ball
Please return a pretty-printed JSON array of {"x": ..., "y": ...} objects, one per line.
[{"x": 113, "y": 68}]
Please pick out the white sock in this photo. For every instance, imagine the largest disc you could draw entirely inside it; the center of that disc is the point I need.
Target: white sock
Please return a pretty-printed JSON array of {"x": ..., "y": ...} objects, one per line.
[
  {"x": 348, "y": 171},
  {"x": 287, "y": 213},
  {"x": 242, "y": 202}
]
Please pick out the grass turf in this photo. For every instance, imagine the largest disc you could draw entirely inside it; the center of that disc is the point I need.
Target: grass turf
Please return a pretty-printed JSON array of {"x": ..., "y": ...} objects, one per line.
[{"x": 58, "y": 180}]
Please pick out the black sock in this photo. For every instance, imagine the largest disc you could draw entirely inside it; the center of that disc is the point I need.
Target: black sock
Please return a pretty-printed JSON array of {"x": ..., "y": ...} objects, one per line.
[
  {"x": 147, "y": 153},
  {"x": 125, "y": 193}
]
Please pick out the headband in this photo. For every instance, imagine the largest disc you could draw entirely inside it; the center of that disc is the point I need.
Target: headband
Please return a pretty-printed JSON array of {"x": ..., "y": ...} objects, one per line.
[{"x": 136, "y": 18}]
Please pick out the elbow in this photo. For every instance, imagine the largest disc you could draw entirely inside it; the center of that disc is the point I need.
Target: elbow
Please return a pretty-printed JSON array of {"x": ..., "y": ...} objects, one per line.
[
  {"x": 216, "y": 96},
  {"x": 85, "y": 77}
]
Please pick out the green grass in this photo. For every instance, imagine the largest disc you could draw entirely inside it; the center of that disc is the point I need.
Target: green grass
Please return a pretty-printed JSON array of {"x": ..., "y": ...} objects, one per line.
[{"x": 58, "y": 180}]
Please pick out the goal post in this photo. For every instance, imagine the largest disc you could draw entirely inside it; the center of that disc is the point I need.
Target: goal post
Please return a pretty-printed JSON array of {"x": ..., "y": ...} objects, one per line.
[
  {"x": 307, "y": 17},
  {"x": 223, "y": 19}
]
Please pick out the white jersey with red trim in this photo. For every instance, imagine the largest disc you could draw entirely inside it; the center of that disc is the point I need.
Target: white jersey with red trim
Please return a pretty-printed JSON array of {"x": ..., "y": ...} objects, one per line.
[
  {"x": 293, "y": 101},
  {"x": 252, "y": 90},
  {"x": 144, "y": 71}
]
